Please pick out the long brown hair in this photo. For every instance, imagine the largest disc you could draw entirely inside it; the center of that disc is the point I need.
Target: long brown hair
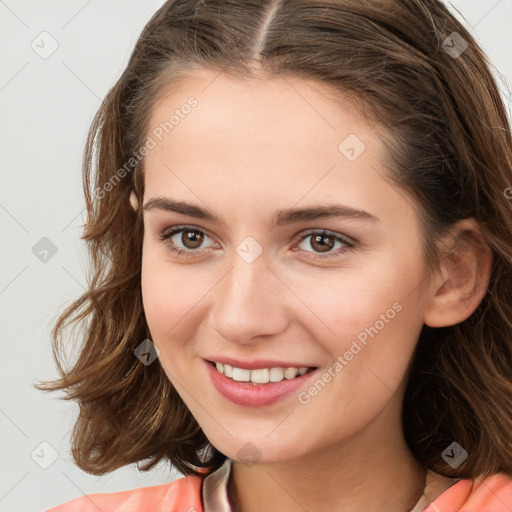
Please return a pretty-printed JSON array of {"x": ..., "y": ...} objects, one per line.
[{"x": 413, "y": 69}]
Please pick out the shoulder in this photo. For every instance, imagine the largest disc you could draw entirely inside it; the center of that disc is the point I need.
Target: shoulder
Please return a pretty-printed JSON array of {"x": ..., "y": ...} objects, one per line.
[
  {"x": 491, "y": 494},
  {"x": 182, "y": 494}
]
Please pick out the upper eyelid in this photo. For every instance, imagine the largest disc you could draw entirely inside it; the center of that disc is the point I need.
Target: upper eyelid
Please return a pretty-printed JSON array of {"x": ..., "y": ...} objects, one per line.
[{"x": 180, "y": 227}]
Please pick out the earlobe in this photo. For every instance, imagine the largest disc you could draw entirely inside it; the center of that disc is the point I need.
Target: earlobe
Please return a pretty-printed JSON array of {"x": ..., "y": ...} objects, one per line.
[
  {"x": 462, "y": 282},
  {"x": 133, "y": 201}
]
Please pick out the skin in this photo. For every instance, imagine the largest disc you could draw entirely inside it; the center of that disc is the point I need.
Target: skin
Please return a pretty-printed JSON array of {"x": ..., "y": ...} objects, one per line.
[{"x": 247, "y": 150}]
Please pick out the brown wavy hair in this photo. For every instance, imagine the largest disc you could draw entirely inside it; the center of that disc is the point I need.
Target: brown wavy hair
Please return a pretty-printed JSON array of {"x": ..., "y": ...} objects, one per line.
[{"x": 449, "y": 145}]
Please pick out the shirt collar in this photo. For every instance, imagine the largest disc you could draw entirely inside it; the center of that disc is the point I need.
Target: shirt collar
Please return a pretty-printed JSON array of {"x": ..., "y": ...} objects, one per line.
[
  {"x": 215, "y": 489},
  {"x": 216, "y": 496}
]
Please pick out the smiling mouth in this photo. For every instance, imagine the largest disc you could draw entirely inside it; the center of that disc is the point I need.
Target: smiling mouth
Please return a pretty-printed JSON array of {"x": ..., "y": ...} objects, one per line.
[{"x": 261, "y": 375}]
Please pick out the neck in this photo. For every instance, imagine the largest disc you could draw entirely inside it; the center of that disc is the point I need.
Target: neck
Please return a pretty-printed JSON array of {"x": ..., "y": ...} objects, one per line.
[{"x": 370, "y": 471}]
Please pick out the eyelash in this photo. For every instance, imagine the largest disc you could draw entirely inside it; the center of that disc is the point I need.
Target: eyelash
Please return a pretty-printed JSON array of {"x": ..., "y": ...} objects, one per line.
[{"x": 169, "y": 233}]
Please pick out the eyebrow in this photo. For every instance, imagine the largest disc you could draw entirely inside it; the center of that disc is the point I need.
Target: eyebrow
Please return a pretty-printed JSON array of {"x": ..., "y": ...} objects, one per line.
[{"x": 281, "y": 217}]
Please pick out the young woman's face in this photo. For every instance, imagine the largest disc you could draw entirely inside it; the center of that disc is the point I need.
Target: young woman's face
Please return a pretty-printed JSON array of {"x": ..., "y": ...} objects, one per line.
[{"x": 294, "y": 252}]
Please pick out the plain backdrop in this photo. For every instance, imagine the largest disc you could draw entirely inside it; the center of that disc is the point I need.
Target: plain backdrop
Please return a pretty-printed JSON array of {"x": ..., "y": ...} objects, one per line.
[{"x": 58, "y": 60}]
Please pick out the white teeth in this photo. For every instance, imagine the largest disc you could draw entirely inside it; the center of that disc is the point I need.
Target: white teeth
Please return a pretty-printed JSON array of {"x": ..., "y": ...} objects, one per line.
[
  {"x": 241, "y": 375},
  {"x": 290, "y": 373},
  {"x": 228, "y": 370},
  {"x": 276, "y": 374},
  {"x": 260, "y": 375}
]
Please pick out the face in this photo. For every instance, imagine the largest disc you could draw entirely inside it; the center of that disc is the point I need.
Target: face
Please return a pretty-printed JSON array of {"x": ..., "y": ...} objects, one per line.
[{"x": 242, "y": 277}]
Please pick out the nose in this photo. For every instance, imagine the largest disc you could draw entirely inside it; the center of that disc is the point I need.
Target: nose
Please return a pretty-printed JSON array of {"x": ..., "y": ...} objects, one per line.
[{"x": 250, "y": 302}]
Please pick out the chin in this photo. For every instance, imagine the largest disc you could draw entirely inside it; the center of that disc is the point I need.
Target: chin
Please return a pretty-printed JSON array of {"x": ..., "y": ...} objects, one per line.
[{"x": 256, "y": 449}]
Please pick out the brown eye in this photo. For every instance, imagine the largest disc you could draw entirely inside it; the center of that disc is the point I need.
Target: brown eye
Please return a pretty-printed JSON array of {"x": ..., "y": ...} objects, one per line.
[
  {"x": 192, "y": 239},
  {"x": 184, "y": 240},
  {"x": 322, "y": 243}
]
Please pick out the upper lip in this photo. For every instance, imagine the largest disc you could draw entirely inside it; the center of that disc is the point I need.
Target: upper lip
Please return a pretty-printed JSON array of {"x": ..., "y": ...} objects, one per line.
[{"x": 257, "y": 363}]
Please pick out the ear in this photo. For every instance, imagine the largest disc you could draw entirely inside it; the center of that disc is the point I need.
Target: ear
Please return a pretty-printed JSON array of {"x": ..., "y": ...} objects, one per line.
[
  {"x": 463, "y": 279},
  {"x": 133, "y": 201}
]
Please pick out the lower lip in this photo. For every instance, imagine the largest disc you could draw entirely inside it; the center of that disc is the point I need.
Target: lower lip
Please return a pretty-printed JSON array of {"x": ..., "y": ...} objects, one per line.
[{"x": 254, "y": 395}]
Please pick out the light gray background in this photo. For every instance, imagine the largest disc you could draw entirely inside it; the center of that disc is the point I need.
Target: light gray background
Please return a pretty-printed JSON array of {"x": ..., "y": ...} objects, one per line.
[{"x": 46, "y": 107}]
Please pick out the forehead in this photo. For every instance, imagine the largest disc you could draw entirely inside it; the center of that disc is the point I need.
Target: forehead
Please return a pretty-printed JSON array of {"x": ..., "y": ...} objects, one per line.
[
  {"x": 258, "y": 106},
  {"x": 281, "y": 140}
]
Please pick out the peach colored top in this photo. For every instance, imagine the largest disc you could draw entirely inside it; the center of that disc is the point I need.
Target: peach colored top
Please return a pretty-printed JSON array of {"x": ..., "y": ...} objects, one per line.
[{"x": 210, "y": 494}]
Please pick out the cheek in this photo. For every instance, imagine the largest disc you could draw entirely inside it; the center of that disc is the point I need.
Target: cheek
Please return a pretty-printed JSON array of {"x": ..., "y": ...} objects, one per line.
[
  {"x": 166, "y": 303},
  {"x": 173, "y": 296},
  {"x": 383, "y": 292},
  {"x": 374, "y": 318},
  {"x": 384, "y": 322},
  {"x": 155, "y": 297},
  {"x": 160, "y": 294}
]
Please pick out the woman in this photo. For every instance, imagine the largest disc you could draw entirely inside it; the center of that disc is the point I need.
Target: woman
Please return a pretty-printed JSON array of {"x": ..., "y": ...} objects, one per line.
[{"x": 301, "y": 246}]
